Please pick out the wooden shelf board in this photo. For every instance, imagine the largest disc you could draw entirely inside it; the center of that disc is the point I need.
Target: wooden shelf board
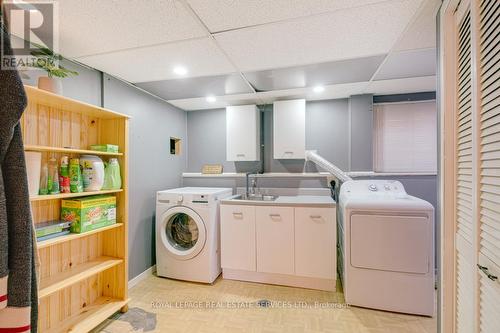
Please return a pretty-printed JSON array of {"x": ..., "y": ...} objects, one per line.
[
  {"x": 69, "y": 237},
  {"x": 79, "y": 272},
  {"x": 71, "y": 195},
  {"x": 54, "y": 100},
  {"x": 91, "y": 316},
  {"x": 68, "y": 150}
]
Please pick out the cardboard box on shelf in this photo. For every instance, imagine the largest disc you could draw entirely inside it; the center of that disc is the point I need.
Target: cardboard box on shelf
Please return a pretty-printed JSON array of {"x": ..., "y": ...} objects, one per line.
[{"x": 89, "y": 213}]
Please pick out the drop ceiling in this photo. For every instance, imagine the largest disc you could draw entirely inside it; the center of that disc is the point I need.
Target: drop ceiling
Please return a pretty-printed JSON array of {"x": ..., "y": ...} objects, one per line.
[{"x": 249, "y": 51}]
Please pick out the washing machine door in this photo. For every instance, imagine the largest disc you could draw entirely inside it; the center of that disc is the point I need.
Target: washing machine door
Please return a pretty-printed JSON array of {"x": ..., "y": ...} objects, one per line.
[{"x": 183, "y": 232}]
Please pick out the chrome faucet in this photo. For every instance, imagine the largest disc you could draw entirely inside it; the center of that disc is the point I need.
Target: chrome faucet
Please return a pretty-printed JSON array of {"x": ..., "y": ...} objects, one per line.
[{"x": 254, "y": 183}]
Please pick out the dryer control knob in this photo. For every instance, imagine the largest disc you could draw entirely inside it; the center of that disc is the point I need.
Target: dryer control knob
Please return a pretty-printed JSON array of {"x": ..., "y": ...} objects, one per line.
[
  {"x": 373, "y": 187},
  {"x": 180, "y": 198}
]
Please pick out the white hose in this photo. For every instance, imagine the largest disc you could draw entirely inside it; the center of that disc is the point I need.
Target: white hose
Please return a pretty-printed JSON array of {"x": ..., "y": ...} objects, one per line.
[{"x": 323, "y": 163}]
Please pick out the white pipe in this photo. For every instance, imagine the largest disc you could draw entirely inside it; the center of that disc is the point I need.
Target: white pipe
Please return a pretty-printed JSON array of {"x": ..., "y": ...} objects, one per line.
[{"x": 320, "y": 161}]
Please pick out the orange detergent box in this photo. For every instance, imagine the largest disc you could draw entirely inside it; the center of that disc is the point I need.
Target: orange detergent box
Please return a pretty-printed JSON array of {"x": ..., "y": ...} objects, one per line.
[{"x": 89, "y": 213}]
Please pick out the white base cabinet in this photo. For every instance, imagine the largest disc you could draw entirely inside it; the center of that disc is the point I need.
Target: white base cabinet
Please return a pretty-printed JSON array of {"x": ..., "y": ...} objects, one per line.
[
  {"x": 294, "y": 246},
  {"x": 315, "y": 242},
  {"x": 237, "y": 247},
  {"x": 275, "y": 240}
]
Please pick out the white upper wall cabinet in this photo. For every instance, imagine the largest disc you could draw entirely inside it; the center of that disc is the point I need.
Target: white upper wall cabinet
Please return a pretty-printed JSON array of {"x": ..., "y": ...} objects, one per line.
[
  {"x": 243, "y": 133},
  {"x": 289, "y": 129}
]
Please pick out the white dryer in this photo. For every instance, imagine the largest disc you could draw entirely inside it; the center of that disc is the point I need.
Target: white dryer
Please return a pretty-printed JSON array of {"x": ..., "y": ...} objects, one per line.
[
  {"x": 386, "y": 244},
  {"x": 187, "y": 233}
]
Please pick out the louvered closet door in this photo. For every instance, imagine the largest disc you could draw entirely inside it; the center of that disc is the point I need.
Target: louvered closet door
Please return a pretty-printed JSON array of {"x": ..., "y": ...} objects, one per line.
[
  {"x": 489, "y": 164},
  {"x": 465, "y": 267}
]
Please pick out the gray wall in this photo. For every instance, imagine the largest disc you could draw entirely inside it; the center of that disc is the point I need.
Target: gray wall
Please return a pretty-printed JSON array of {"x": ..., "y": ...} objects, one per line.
[
  {"x": 329, "y": 124},
  {"x": 151, "y": 166},
  {"x": 326, "y": 131},
  {"x": 361, "y": 124},
  {"x": 85, "y": 87}
]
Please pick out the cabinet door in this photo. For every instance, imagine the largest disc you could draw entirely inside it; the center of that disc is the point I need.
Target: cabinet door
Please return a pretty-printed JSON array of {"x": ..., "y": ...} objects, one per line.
[
  {"x": 289, "y": 129},
  {"x": 238, "y": 237},
  {"x": 315, "y": 242},
  {"x": 275, "y": 248},
  {"x": 243, "y": 133}
]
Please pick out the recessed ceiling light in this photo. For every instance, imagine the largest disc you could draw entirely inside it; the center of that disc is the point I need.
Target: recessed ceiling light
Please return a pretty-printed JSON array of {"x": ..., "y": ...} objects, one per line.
[
  {"x": 319, "y": 89},
  {"x": 211, "y": 99},
  {"x": 180, "y": 70}
]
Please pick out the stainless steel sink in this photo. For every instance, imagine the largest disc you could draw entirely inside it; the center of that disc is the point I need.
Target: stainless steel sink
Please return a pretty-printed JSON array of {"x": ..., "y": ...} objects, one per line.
[{"x": 255, "y": 197}]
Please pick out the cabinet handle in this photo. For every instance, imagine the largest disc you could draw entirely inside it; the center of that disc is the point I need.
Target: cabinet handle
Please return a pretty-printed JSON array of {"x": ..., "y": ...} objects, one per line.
[
  {"x": 240, "y": 155},
  {"x": 315, "y": 217},
  {"x": 485, "y": 270},
  {"x": 238, "y": 214},
  {"x": 275, "y": 216},
  {"x": 289, "y": 152}
]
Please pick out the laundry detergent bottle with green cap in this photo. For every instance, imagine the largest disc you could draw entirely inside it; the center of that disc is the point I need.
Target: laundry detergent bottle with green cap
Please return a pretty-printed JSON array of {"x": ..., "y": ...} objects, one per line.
[{"x": 112, "y": 178}]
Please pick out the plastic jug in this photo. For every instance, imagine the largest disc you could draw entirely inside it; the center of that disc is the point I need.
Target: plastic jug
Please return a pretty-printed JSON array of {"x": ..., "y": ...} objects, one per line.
[
  {"x": 92, "y": 173},
  {"x": 112, "y": 178}
]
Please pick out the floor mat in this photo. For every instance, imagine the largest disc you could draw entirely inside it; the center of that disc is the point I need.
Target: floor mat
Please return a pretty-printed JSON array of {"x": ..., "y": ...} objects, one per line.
[{"x": 134, "y": 320}]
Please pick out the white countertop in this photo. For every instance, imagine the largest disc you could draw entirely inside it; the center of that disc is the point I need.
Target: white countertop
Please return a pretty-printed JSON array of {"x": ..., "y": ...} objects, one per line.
[{"x": 299, "y": 200}]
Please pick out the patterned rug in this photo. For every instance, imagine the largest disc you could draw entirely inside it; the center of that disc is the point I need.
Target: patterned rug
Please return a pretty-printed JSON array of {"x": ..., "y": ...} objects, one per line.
[{"x": 134, "y": 320}]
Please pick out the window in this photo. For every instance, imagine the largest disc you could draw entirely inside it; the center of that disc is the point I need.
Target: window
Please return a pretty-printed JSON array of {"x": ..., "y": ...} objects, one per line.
[{"x": 406, "y": 137}]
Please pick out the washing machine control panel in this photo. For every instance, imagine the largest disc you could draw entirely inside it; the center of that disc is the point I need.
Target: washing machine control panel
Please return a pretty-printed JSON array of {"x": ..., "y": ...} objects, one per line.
[
  {"x": 377, "y": 187},
  {"x": 387, "y": 187}
]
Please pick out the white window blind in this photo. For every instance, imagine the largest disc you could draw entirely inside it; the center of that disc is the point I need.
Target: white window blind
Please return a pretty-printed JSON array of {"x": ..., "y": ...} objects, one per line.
[{"x": 405, "y": 137}]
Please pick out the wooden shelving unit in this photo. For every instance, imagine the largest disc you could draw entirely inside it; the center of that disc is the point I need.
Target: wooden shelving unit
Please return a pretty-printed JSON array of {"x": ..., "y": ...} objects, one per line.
[
  {"x": 70, "y": 237},
  {"x": 69, "y": 151},
  {"x": 70, "y": 195},
  {"x": 91, "y": 316},
  {"x": 83, "y": 276},
  {"x": 78, "y": 273}
]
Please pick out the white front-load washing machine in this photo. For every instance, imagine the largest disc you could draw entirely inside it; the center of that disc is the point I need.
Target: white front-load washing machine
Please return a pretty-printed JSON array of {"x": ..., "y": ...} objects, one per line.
[
  {"x": 187, "y": 233},
  {"x": 386, "y": 247}
]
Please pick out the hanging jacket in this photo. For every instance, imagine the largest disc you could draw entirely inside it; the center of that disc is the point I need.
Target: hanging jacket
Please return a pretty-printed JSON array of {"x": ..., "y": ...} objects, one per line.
[{"x": 18, "y": 294}]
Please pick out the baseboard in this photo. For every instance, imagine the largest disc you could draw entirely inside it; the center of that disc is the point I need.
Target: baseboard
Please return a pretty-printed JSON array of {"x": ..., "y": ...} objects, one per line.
[
  {"x": 134, "y": 281},
  {"x": 280, "y": 279}
]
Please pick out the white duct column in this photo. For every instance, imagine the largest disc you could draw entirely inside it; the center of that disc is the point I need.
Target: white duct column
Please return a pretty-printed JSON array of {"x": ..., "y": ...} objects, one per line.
[{"x": 320, "y": 161}]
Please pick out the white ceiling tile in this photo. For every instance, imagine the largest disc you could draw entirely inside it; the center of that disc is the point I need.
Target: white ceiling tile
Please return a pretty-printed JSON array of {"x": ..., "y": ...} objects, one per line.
[
  {"x": 201, "y": 57},
  {"x": 402, "y": 86},
  {"x": 343, "y": 34},
  {"x": 422, "y": 32},
  {"x": 192, "y": 104},
  {"x": 331, "y": 92},
  {"x": 243, "y": 13},
  {"x": 411, "y": 63},
  {"x": 98, "y": 26}
]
